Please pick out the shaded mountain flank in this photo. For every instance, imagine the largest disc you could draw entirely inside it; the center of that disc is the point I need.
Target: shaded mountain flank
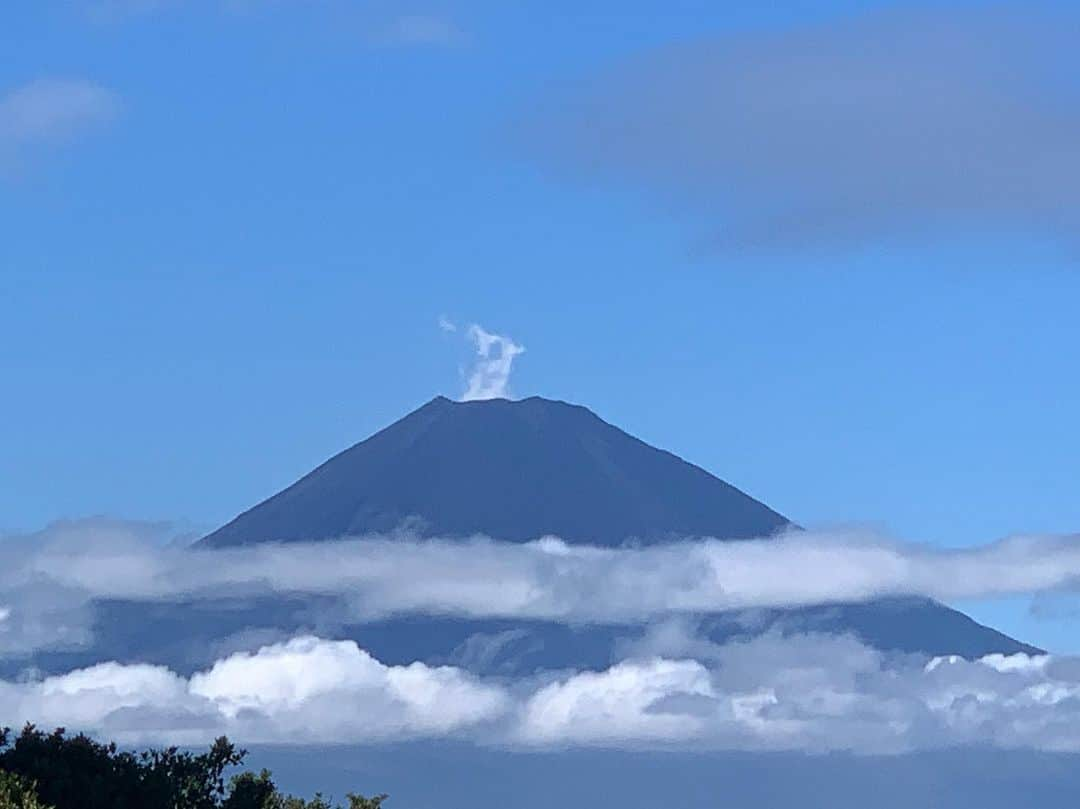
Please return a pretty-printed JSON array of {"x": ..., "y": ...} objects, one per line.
[
  {"x": 513, "y": 470},
  {"x": 518, "y": 470}
]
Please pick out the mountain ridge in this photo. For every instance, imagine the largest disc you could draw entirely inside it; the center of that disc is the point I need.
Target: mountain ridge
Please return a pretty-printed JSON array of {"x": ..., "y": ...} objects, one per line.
[
  {"x": 518, "y": 470},
  {"x": 536, "y": 467}
]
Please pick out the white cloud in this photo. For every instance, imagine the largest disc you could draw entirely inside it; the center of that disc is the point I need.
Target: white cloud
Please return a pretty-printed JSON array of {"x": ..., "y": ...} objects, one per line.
[
  {"x": 87, "y": 697},
  {"x": 322, "y": 690},
  {"x": 446, "y": 324},
  {"x": 49, "y": 581},
  {"x": 53, "y": 110},
  {"x": 618, "y": 704},
  {"x": 808, "y": 693},
  {"x": 304, "y": 690},
  {"x": 812, "y": 693},
  {"x": 490, "y": 375}
]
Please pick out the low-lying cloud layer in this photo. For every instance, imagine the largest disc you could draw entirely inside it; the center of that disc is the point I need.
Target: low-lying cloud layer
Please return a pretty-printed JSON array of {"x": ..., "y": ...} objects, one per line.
[
  {"x": 50, "y": 580},
  {"x": 809, "y": 693},
  {"x": 670, "y": 687},
  {"x": 305, "y": 690}
]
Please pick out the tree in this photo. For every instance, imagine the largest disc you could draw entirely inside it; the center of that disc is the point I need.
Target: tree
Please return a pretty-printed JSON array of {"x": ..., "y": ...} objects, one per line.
[
  {"x": 360, "y": 802},
  {"x": 250, "y": 791},
  {"x": 44, "y": 770},
  {"x": 18, "y": 793}
]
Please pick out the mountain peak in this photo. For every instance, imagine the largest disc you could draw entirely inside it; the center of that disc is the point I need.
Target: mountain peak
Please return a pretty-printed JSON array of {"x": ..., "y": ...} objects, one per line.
[
  {"x": 516, "y": 470},
  {"x": 511, "y": 469}
]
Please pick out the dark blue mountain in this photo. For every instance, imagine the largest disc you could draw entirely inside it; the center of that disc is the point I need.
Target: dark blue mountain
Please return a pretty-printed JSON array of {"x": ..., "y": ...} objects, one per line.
[
  {"x": 512, "y": 470},
  {"x": 519, "y": 470}
]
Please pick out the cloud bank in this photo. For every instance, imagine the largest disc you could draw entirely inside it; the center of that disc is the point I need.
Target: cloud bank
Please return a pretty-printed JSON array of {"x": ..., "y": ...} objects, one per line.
[
  {"x": 50, "y": 581},
  {"x": 810, "y": 693},
  {"x": 898, "y": 122},
  {"x": 304, "y": 690}
]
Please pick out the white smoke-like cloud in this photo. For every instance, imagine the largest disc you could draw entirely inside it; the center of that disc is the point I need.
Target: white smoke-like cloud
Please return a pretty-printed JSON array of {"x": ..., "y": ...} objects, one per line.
[
  {"x": 50, "y": 581},
  {"x": 807, "y": 693},
  {"x": 490, "y": 374}
]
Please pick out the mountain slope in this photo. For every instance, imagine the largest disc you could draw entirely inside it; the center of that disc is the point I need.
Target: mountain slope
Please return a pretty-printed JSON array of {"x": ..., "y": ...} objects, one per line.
[
  {"x": 512, "y": 470},
  {"x": 516, "y": 471}
]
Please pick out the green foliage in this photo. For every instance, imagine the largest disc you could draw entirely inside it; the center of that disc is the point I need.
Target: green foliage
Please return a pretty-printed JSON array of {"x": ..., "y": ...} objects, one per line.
[
  {"x": 360, "y": 802},
  {"x": 250, "y": 791},
  {"x": 78, "y": 773},
  {"x": 18, "y": 793},
  {"x": 43, "y": 770}
]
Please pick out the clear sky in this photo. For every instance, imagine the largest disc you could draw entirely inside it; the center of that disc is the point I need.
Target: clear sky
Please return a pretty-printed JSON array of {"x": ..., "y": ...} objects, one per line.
[{"x": 228, "y": 231}]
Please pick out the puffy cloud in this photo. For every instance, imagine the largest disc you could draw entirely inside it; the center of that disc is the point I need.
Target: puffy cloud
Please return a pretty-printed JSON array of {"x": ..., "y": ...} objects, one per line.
[
  {"x": 831, "y": 133},
  {"x": 633, "y": 700},
  {"x": 304, "y": 690},
  {"x": 136, "y": 700},
  {"x": 317, "y": 690},
  {"x": 806, "y": 693},
  {"x": 813, "y": 693}
]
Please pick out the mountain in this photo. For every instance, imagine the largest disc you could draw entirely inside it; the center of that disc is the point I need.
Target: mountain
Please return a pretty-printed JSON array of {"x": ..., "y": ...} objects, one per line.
[
  {"x": 517, "y": 470},
  {"x": 514, "y": 470}
]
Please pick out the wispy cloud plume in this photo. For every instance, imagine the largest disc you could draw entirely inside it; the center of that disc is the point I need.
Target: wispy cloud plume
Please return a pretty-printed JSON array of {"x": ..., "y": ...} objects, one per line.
[{"x": 489, "y": 377}]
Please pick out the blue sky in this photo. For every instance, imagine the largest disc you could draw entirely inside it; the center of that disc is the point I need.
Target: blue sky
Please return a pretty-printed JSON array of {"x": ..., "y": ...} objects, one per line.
[{"x": 231, "y": 261}]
